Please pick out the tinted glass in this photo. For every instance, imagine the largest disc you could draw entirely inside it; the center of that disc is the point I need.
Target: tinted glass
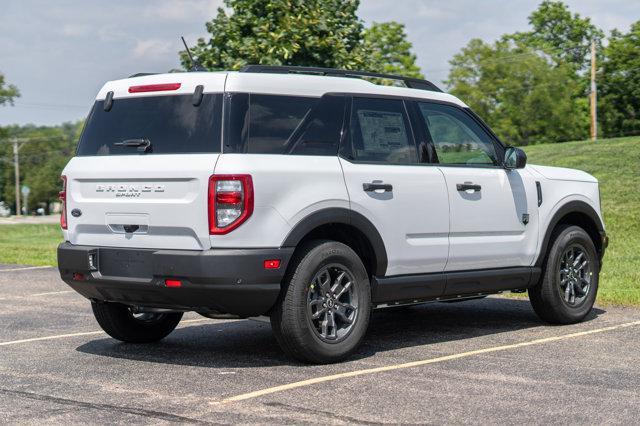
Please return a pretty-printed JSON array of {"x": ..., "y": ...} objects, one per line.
[
  {"x": 265, "y": 124},
  {"x": 380, "y": 132},
  {"x": 320, "y": 134},
  {"x": 457, "y": 138},
  {"x": 172, "y": 124}
]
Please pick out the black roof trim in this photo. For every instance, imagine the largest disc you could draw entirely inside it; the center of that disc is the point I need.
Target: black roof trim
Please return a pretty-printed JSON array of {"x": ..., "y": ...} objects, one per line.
[{"x": 412, "y": 83}]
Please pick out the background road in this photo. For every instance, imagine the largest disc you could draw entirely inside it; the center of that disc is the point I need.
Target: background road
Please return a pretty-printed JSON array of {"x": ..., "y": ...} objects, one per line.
[{"x": 56, "y": 366}]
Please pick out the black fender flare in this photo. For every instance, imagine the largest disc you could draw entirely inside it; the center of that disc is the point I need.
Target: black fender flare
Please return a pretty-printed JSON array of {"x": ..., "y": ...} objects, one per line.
[
  {"x": 346, "y": 217},
  {"x": 575, "y": 206}
]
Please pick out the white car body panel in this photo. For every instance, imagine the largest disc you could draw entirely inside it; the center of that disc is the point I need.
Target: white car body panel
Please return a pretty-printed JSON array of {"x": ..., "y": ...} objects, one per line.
[
  {"x": 559, "y": 192},
  {"x": 413, "y": 219},
  {"x": 212, "y": 82},
  {"x": 286, "y": 190},
  {"x": 563, "y": 173},
  {"x": 316, "y": 86},
  {"x": 487, "y": 229},
  {"x": 110, "y": 191}
]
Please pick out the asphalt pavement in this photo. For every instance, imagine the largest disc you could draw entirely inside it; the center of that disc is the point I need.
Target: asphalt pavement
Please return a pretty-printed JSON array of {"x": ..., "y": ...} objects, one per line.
[{"x": 475, "y": 362}]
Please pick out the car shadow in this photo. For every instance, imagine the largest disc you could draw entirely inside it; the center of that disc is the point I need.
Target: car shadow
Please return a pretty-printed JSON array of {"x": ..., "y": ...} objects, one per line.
[{"x": 250, "y": 344}]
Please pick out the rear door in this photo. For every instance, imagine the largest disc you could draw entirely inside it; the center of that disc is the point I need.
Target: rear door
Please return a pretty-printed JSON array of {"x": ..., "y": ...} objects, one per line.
[
  {"x": 143, "y": 164},
  {"x": 405, "y": 200},
  {"x": 494, "y": 212}
]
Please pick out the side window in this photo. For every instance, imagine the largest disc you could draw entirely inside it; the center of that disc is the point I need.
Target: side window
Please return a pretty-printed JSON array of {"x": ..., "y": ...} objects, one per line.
[
  {"x": 264, "y": 124},
  {"x": 276, "y": 124},
  {"x": 273, "y": 119},
  {"x": 380, "y": 132},
  {"x": 321, "y": 131},
  {"x": 457, "y": 138}
]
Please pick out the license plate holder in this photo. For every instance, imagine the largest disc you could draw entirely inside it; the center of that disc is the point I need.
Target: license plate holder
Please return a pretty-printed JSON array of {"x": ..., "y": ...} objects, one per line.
[{"x": 126, "y": 263}]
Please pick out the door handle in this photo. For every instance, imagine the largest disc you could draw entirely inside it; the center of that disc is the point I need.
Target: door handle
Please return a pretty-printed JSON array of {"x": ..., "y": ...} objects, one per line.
[
  {"x": 468, "y": 186},
  {"x": 369, "y": 187}
]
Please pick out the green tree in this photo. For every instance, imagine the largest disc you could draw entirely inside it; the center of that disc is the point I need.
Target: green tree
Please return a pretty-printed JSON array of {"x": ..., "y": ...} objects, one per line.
[
  {"x": 313, "y": 33},
  {"x": 388, "y": 50},
  {"x": 42, "y": 159},
  {"x": 325, "y": 33},
  {"x": 619, "y": 85},
  {"x": 7, "y": 92},
  {"x": 519, "y": 92},
  {"x": 566, "y": 37}
]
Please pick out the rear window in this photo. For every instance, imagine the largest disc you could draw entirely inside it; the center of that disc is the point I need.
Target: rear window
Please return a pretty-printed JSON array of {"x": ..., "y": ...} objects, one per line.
[
  {"x": 170, "y": 124},
  {"x": 277, "y": 124}
]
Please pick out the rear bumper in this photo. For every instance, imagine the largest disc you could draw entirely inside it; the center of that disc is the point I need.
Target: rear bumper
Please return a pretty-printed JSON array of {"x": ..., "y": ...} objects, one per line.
[{"x": 231, "y": 281}]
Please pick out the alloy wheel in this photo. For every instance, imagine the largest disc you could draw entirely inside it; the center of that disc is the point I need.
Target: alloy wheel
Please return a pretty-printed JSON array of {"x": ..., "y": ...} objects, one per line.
[
  {"x": 332, "y": 303},
  {"x": 575, "y": 275}
]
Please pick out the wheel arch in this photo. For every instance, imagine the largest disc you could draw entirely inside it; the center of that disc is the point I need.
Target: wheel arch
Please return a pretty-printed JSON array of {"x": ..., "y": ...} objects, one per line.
[
  {"x": 574, "y": 213},
  {"x": 348, "y": 227}
]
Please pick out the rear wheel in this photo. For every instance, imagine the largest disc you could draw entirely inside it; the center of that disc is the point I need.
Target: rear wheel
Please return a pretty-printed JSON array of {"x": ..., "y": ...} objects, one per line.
[
  {"x": 120, "y": 322},
  {"x": 323, "y": 310},
  {"x": 569, "y": 284}
]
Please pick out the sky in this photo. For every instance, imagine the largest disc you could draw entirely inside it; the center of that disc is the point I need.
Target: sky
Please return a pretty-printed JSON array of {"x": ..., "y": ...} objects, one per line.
[{"x": 59, "y": 53}]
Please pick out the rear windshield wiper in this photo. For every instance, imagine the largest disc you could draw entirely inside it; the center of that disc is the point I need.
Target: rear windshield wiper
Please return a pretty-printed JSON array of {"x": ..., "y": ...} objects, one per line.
[{"x": 143, "y": 145}]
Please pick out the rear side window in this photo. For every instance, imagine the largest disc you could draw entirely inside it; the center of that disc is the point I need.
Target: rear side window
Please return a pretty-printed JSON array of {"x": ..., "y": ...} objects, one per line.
[
  {"x": 276, "y": 124},
  {"x": 171, "y": 124},
  {"x": 380, "y": 132}
]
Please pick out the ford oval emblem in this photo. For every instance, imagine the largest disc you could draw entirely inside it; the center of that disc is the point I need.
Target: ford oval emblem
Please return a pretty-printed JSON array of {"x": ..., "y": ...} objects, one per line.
[{"x": 76, "y": 213}]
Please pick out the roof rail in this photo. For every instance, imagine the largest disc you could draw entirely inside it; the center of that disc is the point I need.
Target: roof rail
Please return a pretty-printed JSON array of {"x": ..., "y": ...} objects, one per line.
[{"x": 413, "y": 83}]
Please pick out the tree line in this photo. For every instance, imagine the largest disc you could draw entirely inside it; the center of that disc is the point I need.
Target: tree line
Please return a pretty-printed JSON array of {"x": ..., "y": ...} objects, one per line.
[{"x": 530, "y": 87}]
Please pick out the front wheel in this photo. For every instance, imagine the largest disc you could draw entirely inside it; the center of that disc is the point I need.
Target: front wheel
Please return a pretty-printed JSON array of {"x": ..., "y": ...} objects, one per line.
[
  {"x": 120, "y": 322},
  {"x": 569, "y": 284},
  {"x": 323, "y": 310}
]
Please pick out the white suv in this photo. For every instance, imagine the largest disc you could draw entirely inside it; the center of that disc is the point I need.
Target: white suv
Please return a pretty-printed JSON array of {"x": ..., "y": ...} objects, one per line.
[{"x": 312, "y": 196}]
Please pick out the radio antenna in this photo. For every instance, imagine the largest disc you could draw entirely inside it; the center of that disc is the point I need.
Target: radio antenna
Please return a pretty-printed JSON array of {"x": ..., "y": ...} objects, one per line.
[{"x": 195, "y": 65}]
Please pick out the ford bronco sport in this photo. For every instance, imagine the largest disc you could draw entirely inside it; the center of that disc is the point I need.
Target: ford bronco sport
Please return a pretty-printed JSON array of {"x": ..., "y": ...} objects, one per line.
[{"x": 312, "y": 196}]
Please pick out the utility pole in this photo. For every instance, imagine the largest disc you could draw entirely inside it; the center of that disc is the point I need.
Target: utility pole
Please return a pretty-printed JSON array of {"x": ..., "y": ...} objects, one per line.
[
  {"x": 16, "y": 168},
  {"x": 594, "y": 94}
]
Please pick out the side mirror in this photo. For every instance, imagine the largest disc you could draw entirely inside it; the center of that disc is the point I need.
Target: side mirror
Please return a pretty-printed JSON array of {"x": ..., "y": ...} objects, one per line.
[{"x": 514, "y": 158}]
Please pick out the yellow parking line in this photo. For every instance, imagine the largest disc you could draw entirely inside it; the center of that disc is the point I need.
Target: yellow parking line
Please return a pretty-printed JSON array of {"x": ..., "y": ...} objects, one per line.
[
  {"x": 58, "y": 336},
  {"x": 323, "y": 379},
  {"x": 28, "y": 296},
  {"x": 50, "y": 293},
  {"x": 86, "y": 333},
  {"x": 194, "y": 320}
]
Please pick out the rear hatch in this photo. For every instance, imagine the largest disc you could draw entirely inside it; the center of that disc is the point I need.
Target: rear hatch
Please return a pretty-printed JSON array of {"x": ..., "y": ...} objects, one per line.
[{"x": 143, "y": 163}]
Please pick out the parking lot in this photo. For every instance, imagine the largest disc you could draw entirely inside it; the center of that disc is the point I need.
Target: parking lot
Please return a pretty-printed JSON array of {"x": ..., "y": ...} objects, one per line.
[{"x": 483, "y": 361}]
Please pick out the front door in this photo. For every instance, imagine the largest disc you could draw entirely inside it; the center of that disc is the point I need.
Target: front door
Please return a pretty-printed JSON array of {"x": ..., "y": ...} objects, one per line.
[
  {"x": 494, "y": 212},
  {"x": 405, "y": 200}
]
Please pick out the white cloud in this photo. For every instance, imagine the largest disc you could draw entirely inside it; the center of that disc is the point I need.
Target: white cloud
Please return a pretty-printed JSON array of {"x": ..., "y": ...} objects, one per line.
[
  {"x": 151, "y": 49},
  {"x": 75, "y": 30},
  {"x": 182, "y": 10}
]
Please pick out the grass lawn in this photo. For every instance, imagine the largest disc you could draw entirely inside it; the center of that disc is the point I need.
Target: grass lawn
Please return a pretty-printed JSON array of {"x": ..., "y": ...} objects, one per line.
[
  {"x": 29, "y": 244},
  {"x": 615, "y": 162}
]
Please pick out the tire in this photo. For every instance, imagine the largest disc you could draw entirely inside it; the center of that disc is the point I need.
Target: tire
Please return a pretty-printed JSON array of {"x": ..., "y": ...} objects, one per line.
[
  {"x": 119, "y": 322},
  {"x": 556, "y": 298},
  {"x": 301, "y": 319}
]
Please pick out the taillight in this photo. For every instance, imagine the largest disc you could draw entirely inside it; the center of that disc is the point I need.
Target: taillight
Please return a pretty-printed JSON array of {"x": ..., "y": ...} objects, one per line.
[
  {"x": 62, "y": 195},
  {"x": 230, "y": 202}
]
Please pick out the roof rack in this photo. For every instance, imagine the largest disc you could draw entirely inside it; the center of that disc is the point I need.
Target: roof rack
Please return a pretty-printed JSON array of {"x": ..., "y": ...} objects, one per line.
[{"x": 412, "y": 83}]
